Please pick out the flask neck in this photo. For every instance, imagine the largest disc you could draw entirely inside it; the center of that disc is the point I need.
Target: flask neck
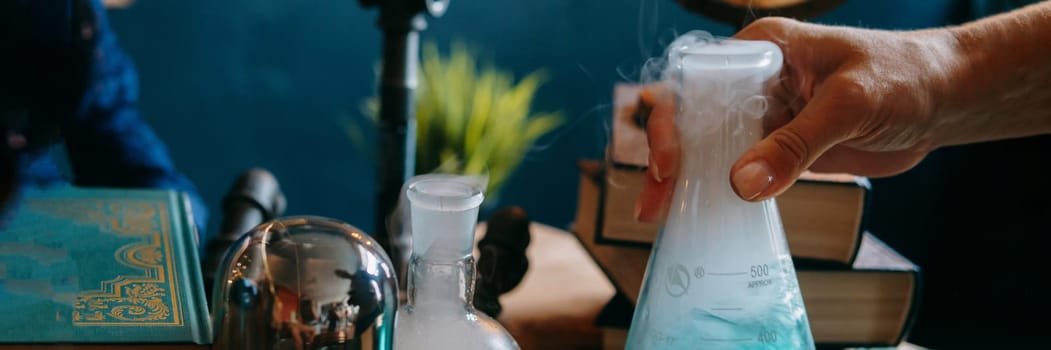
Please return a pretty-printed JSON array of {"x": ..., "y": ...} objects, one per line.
[
  {"x": 444, "y": 213},
  {"x": 713, "y": 138},
  {"x": 720, "y": 117},
  {"x": 709, "y": 156},
  {"x": 440, "y": 283}
]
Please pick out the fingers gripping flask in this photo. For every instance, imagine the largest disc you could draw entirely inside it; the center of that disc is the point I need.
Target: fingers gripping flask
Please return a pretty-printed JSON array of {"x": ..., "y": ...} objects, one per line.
[
  {"x": 720, "y": 275},
  {"x": 439, "y": 314}
]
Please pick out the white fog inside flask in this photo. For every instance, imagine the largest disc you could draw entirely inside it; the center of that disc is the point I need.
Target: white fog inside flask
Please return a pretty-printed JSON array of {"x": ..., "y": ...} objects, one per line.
[{"x": 720, "y": 275}]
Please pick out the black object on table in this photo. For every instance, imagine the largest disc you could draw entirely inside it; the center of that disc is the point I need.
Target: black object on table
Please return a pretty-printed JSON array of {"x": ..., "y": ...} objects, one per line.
[
  {"x": 502, "y": 261},
  {"x": 254, "y": 197}
]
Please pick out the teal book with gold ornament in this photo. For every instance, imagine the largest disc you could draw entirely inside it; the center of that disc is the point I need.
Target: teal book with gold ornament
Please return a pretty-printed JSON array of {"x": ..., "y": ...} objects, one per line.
[{"x": 108, "y": 267}]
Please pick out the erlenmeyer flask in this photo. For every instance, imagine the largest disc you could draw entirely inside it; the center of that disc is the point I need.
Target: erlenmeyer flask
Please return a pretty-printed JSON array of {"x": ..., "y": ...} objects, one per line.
[
  {"x": 720, "y": 275},
  {"x": 439, "y": 313}
]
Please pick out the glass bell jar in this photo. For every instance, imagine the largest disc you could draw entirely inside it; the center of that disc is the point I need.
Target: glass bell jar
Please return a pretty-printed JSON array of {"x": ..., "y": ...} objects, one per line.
[{"x": 305, "y": 282}]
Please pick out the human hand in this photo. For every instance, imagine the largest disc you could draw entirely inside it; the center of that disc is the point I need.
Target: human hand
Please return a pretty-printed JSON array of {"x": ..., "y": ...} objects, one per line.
[{"x": 848, "y": 100}]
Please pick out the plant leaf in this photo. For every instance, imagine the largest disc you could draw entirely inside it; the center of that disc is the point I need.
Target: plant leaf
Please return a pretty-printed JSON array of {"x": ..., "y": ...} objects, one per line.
[{"x": 471, "y": 119}]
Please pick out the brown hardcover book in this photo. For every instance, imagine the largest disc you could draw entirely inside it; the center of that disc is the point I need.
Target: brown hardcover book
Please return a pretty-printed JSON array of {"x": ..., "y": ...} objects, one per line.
[
  {"x": 871, "y": 302},
  {"x": 823, "y": 217},
  {"x": 823, "y": 214}
]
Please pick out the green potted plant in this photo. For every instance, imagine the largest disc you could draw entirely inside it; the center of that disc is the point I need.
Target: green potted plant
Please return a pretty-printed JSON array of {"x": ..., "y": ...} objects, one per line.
[{"x": 472, "y": 119}]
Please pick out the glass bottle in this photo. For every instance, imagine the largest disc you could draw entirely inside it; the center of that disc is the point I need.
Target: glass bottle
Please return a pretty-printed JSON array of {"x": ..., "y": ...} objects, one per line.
[
  {"x": 720, "y": 275},
  {"x": 439, "y": 313}
]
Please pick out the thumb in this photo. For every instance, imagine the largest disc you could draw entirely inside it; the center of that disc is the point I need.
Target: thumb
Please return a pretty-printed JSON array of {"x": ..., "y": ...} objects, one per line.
[{"x": 774, "y": 163}]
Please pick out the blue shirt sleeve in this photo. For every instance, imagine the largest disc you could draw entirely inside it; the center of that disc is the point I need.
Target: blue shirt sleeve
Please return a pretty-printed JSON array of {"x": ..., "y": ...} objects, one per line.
[{"x": 108, "y": 142}]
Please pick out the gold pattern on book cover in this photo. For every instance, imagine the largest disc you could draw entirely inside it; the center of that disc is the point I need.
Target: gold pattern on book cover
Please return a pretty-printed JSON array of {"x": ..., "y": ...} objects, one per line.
[{"x": 146, "y": 299}]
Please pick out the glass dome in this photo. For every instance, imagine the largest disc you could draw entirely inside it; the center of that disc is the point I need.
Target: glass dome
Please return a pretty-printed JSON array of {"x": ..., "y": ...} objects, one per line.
[{"x": 305, "y": 282}]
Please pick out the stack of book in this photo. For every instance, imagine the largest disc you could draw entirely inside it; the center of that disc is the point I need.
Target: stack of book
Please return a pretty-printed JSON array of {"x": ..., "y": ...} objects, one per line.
[{"x": 858, "y": 291}]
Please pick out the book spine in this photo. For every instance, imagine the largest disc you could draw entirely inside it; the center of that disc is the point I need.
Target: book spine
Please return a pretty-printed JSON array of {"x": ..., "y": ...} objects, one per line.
[{"x": 185, "y": 237}]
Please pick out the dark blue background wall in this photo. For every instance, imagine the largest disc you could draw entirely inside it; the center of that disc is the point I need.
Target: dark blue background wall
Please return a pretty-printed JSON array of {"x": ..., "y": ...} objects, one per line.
[{"x": 241, "y": 83}]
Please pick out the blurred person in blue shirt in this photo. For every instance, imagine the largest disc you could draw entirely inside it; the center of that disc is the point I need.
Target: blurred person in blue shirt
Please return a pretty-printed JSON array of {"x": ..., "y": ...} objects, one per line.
[{"x": 65, "y": 82}]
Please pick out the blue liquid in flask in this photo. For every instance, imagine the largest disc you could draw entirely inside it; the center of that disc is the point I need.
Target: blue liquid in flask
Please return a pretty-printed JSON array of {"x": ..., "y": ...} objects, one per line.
[{"x": 720, "y": 275}]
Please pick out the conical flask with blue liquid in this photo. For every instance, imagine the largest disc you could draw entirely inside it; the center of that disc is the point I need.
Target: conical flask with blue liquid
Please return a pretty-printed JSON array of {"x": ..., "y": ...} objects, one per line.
[{"x": 720, "y": 275}]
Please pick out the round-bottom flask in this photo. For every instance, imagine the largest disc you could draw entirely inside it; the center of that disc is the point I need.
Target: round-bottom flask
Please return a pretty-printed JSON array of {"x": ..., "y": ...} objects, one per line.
[{"x": 439, "y": 313}]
